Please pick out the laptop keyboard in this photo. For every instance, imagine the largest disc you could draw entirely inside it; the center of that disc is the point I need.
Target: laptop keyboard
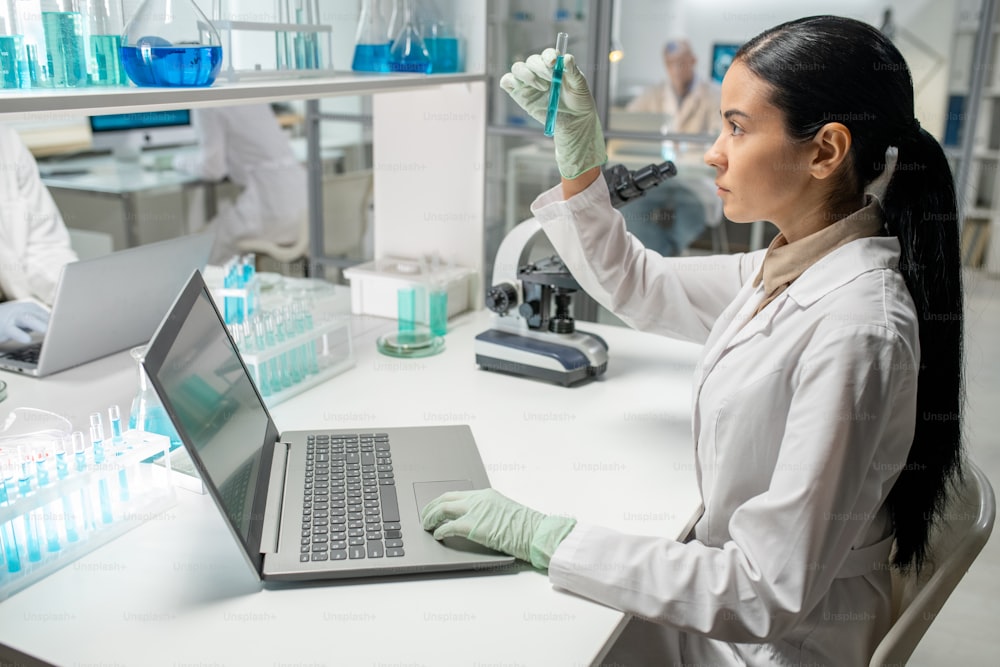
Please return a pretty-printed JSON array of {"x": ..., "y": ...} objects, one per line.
[
  {"x": 349, "y": 509},
  {"x": 28, "y": 354}
]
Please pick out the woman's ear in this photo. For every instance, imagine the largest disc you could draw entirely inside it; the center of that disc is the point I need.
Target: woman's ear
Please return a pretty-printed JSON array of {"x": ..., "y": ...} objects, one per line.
[{"x": 832, "y": 145}]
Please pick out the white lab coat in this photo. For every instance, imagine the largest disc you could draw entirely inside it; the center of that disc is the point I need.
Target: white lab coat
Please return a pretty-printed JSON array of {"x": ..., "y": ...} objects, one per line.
[
  {"x": 697, "y": 113},
  {"x": 34, "y": 242},
  {"x": 246, "y": 144},
  {"x": 802, "y": 419}
]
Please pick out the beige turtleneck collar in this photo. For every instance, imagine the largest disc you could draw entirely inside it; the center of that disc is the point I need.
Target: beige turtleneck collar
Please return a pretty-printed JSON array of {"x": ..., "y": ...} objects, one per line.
[{"x": 784, "y": 261}]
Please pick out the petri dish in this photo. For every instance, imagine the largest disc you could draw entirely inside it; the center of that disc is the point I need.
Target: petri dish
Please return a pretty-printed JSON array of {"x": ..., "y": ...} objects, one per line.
[{"x": 410, "y": 344}]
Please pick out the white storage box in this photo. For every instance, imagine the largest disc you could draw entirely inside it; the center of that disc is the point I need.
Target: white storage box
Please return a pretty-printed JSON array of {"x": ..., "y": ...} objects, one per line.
[{"x": 374, "y": 286}]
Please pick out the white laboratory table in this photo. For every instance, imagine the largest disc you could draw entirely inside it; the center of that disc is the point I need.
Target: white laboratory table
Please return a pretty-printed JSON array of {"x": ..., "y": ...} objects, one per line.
[{"x": 176, "y": 591}]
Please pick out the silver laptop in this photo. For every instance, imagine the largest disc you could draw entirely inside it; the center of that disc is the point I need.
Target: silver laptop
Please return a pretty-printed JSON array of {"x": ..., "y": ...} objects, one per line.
[
  {"x": 109, "y": 303},
  {"x": 306, "y": 505}
]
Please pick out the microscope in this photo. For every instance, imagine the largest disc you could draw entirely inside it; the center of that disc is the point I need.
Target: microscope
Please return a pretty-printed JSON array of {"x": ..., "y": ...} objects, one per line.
[{"x": 533, "y": 333}]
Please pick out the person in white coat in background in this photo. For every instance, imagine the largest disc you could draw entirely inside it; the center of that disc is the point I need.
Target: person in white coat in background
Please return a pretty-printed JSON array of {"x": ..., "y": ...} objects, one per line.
[
  {"x": 827, "y": 404},
  {"x": 246, "y": 144},
  {"x": 34, "y": 241}
]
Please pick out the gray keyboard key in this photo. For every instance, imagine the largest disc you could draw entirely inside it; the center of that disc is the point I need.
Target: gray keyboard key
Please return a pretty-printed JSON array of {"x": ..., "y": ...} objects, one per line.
[{"x": 390, "y": 505}]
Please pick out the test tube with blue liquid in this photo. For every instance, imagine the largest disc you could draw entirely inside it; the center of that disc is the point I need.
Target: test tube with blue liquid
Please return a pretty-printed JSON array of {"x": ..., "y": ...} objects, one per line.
[
  {"x": 79, "y": 447},
  {"x": 97, "y": 442},
  {"x": 69, "y": 511},
  {"x": 562, "y": 41},
  {"x": 51, "y": 513},
  {"x": 25, "y": 487},
  {"x": 118, "y": 443},
  {"x": 9, "y": 544}
]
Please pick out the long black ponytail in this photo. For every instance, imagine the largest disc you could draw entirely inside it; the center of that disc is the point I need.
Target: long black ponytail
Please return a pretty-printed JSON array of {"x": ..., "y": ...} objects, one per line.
[{"x": 824, "y": 69}]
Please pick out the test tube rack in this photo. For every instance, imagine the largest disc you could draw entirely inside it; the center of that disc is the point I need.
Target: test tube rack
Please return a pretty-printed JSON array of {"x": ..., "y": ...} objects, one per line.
[
  {"x": 62, "y": 521},
  {"x": 300, "y": 362},
  {"x": 311, "y": 33}
]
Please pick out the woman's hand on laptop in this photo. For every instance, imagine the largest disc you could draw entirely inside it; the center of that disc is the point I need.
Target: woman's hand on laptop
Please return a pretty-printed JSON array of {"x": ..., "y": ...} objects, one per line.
[
  {"x": 497, "y": 522},
  {"x": 19, "y": 318}
]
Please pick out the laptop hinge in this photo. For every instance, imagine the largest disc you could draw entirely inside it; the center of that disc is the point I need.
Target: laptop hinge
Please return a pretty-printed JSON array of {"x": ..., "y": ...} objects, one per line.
[{"x": 275, "y": 494}]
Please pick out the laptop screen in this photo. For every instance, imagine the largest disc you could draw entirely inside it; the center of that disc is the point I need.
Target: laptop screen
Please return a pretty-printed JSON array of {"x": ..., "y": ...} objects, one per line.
[{"x": 215, "y": 407}]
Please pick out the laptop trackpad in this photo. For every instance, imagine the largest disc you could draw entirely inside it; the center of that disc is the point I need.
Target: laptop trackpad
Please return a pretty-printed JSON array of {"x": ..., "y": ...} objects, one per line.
[{"x": 428, "y": 491}]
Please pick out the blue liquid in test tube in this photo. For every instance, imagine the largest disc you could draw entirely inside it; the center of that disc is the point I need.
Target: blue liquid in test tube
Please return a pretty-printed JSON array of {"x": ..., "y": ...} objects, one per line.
[
  {"x": 11, "y": 550},
  {"x": 115, "y": 416},
  {"x": 103, "y": 493},
  {"x": 24, "y": 488},
  {"x": 562, "y": 39},
  {"x": 62, "y": 472},
  {"x": 80, "y": 465}
]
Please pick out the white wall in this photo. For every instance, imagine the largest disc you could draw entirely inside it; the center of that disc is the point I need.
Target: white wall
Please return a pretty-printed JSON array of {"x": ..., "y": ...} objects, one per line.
[{"x": 921, "y": 24}]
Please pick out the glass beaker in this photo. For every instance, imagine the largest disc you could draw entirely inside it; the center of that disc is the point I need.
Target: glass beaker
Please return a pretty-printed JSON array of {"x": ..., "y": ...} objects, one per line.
[
  {"x": 147, "y": 413},
  {"x": 13, "y": 59},
  {"x": 371, "y": 47},
  {"x": 408, "y": 52},
  {"x": 105, "y": 64},
  {"x": 171, "y": 43},
  {"x": 62, "y": 23}
]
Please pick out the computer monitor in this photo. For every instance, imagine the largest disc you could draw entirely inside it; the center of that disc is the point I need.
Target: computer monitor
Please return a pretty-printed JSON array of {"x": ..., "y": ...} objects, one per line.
[{"x": 127, "y": 134}]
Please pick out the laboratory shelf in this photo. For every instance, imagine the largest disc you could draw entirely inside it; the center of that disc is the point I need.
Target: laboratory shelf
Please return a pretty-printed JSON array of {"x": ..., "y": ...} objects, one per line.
[{"x": 54, "y": 103}]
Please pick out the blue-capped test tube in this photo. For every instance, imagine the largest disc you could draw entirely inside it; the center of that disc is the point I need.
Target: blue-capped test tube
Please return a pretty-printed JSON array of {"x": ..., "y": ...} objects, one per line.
[{"x": 562, "y": 41}]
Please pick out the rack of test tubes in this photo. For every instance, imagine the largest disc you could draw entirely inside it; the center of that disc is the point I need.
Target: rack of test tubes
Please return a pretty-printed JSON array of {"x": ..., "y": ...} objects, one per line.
[
  {"x": 63, "y": 497},
  {"x": 287, "y": 353}
]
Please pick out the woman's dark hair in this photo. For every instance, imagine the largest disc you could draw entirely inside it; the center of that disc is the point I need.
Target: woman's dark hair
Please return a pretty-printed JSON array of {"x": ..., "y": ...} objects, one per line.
[{"x": 825, "y": 69}]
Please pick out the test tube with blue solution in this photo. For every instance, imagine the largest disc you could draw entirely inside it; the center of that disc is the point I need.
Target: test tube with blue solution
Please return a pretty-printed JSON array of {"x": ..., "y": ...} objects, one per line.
[
  {"x": 9, "y": 544},
  {"x": 97, "y": 441},
  {"x": 25, "y": 487},
  {"x": 79, "y": 448},
  {"x": 118, "y": 443},
  {"x": 51, "y": 513},
  {"x": 62, "y": 22},
  {"x": 69, "y": 510},
  {"x": 562, "y": 41}
]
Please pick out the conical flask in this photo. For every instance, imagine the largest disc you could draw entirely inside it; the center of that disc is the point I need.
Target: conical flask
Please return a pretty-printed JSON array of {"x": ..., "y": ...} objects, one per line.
[
  {"x": 371, "y": 46},
  {"x": 171, "y": 43},
  {"x": 147, "y": 413},
  {"x": 408, "y": 52}
]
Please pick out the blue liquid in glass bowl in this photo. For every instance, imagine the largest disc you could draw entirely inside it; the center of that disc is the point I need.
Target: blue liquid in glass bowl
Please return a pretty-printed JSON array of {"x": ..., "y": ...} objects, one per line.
[{"x": 190, "y": 66}]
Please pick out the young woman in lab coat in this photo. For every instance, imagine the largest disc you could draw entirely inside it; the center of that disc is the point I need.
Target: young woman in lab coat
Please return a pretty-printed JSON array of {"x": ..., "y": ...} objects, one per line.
[
  {"x": 826, "y": 407},
  {"x": 34, "y": 241}
]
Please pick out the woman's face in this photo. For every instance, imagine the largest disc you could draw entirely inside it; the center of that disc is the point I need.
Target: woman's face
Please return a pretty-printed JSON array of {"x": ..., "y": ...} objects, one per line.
[{"x": 761, "y": 172}]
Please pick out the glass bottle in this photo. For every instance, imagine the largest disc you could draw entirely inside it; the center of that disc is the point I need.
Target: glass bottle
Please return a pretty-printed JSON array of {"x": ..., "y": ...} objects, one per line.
[
  {"x": 105, "y": 65},
  {"x": 147, "y": 413},
  {"x": 371, "y": 46},
  {"x": 408, "y": 52},
  {"x": 171, "y": 43},
  {"x": 62, "y": 23}
]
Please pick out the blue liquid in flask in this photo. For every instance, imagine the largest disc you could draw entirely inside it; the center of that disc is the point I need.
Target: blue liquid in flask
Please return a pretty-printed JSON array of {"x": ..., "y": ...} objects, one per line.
[
  {"x": 194, "y": 66},
  {"x": 371, "y": 58},
  {"x": 64, "y": 44}
]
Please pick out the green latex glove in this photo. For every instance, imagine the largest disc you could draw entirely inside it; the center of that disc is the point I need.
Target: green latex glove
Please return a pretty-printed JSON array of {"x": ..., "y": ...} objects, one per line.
[
  {"x": 497, "y": 522},
  {"x": 578, "y": 138}
]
